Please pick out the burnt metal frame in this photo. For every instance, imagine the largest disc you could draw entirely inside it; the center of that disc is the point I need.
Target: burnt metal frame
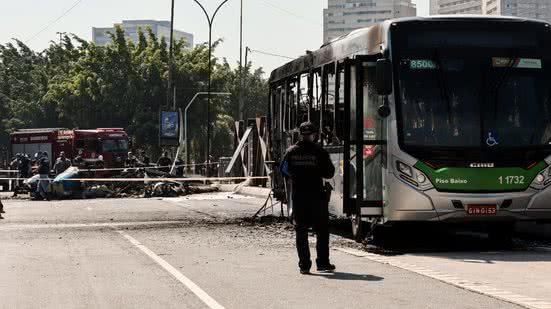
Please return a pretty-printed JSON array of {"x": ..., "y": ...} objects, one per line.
[{"x": 351, "y": 204}]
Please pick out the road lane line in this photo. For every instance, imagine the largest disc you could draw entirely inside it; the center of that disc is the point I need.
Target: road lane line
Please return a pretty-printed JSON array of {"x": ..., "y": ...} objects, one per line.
[
  {"x": 200, "y": 293},
  {"x": 477, "y": 287},
  {"x": 10, "y": 227}
]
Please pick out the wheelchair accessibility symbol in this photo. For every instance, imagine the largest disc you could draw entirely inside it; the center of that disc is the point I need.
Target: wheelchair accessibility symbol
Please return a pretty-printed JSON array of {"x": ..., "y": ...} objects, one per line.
[{"x": 491, "y": 141}]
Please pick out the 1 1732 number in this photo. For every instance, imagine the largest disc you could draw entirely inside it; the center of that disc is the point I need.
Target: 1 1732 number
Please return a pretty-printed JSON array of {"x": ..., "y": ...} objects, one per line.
[{"x": 511, "y": 180}]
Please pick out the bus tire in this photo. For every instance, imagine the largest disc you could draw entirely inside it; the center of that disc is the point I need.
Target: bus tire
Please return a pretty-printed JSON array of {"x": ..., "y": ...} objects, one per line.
[
  {"x": 501, "y": 235},
  {"x": 359, "y": 227}
]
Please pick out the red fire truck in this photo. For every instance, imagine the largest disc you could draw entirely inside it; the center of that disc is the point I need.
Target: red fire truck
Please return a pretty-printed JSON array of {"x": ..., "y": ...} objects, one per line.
[{"x": 111, "y": 143}]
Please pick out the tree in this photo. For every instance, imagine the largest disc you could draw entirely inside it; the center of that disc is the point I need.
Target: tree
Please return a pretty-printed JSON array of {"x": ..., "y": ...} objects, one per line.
[{"x": 77, "y": 84}]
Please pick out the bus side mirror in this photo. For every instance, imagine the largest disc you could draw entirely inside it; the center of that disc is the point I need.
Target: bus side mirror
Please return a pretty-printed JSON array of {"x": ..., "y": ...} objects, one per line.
[{"x": 384, "y": 76}]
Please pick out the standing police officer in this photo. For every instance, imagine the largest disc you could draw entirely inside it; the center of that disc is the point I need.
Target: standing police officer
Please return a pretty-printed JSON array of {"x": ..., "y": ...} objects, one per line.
[{"x": 306, "y": 164}]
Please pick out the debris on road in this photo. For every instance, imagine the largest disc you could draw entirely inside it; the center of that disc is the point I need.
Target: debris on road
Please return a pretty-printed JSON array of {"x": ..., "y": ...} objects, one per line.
[{"x": 68, "y": 186}]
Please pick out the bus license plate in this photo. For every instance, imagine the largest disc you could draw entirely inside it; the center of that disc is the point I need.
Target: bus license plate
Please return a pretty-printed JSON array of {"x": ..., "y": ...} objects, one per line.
[{"x": 481, "y": 210}]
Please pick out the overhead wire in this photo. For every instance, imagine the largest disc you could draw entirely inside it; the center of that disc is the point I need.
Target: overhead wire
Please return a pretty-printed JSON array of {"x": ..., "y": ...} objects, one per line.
[
  {"x": 270, "y": 54},
  {"x": 65, "y": 13},
  {"x": 290, "y": 13}
]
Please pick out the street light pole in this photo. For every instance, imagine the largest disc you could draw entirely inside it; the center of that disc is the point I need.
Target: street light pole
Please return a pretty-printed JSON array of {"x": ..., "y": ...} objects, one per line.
[
  {"x": 185, "y": 117},
  {"x": 210, "y": 20},
  {"x": 170, "y": 56}
]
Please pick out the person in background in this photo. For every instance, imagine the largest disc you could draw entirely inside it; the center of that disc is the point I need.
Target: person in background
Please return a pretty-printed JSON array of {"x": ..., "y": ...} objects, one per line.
[
  {"x": 43, "y": 187},
  {"x": 306, "y": 164},
  {"x": 164, "y": 163},
  {"x": 14, "y": 165},
  {"x": 79, "y": 159},
  {"x": 62, "y": 163},
  {"x": 101, "y": 162},
  {"x": 131, "y": 160},
  {"x": 145, "y": 160},
  {"x": 25, "y": 169}
]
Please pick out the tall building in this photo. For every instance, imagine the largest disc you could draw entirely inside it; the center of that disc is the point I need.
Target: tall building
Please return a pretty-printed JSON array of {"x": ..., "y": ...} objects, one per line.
[
  {"x": 161, "y": 29},
  {"x": 344, "y": 16},
  {"x": 537, "y": 9}
]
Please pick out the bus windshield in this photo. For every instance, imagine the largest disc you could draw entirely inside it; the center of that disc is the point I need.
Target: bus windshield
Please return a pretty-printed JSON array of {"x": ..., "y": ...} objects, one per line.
[
  {"x": 482, "y": 100},
  {"x": 115, "y": 145}
]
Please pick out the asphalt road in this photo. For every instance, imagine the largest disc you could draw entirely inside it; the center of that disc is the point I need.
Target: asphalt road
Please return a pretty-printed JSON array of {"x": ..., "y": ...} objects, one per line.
[{"x": 198, "y": 252}]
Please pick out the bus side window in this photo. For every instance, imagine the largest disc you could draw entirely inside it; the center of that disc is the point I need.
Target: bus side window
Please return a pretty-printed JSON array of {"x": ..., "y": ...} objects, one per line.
[
  {"x": 304, "y": 101},
  {"x": 339, "y": 104},
  {"x": 315, "y": 110},
  {"x": 292, "y": 105},
  {"x": 330, "y": 115}
]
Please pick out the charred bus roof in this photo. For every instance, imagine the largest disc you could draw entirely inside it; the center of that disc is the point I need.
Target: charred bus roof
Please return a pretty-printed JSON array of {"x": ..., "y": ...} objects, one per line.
[{"x": 372, "y": 41}]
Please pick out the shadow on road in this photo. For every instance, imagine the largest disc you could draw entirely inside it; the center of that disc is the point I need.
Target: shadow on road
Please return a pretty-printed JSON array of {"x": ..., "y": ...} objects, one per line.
[
  {"x": 348, "y": 276},
  {"x": 470, "y": 245}
]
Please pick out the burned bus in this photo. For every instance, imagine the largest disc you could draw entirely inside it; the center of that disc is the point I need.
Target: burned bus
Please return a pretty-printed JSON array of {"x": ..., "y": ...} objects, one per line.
[{"x": 439, "y": 119}]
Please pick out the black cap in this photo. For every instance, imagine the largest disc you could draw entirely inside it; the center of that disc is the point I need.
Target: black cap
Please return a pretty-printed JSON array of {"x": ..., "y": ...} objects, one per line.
[{"x": 307, "y": 128}]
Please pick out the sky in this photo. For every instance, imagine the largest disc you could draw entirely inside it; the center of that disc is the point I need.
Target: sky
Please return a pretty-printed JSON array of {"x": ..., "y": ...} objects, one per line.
[{"x": 282, "y": 27}]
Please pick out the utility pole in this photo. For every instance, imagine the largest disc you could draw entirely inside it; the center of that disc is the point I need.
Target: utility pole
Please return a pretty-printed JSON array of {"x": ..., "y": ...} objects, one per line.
[
  {"x": 210, "y": 20},
  {"x": 243, "y": 83},
  {"x": 170, "y": 56},
  {"x": 174, "y": 99},
  {"x": 241, "y": 71}
]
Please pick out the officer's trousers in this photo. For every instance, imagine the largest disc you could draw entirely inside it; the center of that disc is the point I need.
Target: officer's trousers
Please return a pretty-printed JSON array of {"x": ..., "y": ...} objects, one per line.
[{"x": 306, "y": 216}]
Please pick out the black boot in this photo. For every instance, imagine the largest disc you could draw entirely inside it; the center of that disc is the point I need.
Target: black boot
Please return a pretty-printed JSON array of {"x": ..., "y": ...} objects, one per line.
[{"x": 326, "y": 268}]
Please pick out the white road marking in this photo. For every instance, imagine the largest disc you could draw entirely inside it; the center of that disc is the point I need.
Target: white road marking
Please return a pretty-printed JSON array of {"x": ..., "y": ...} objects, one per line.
[
  {"x": 208, "y": 196},
  {"x": 200, "y": 293},
  {"x": 11, "y": 227},
  {"x": 477, "y": 287}
]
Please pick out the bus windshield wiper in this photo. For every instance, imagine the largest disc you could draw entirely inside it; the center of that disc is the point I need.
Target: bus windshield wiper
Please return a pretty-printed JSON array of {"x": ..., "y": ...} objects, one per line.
[{"x": 442, "y": 84}]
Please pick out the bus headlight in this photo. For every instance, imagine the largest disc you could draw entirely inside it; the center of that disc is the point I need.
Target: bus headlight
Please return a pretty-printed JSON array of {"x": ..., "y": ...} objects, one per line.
[
  {"x": 542, "y": 180},
  {"x": 405, "y": 169},
  {"x": 413, "y": 176},
  {"x": 421, "y": 178}
]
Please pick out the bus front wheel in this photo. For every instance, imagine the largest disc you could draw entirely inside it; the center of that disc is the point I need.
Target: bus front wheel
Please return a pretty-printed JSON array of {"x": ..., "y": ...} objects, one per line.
[
  {"x": 501, "y": 235},
  {"x": 359, "y": 227}
]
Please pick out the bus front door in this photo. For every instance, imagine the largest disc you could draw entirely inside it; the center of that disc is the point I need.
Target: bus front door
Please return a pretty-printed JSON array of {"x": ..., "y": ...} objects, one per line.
[{"x": 364, "y": 145}]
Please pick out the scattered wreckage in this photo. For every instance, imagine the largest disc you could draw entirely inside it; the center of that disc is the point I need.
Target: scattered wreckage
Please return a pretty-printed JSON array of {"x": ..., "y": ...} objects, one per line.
[{"x": 76, "y": 183}]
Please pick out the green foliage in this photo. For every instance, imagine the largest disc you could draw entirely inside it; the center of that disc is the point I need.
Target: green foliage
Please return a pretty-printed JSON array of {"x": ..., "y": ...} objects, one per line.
[{"x": 76, "y": 84}]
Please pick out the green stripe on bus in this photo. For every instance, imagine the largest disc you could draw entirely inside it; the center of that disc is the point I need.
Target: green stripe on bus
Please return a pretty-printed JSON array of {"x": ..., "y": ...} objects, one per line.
[{"x": 459, "y": 179}]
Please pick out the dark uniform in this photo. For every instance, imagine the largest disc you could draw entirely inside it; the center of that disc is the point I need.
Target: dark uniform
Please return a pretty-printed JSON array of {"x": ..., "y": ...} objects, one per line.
[
  {"x": 164, "y": 163},
  {"x": 306, "y": 164},
  {"x": 1, "y": 210}
]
